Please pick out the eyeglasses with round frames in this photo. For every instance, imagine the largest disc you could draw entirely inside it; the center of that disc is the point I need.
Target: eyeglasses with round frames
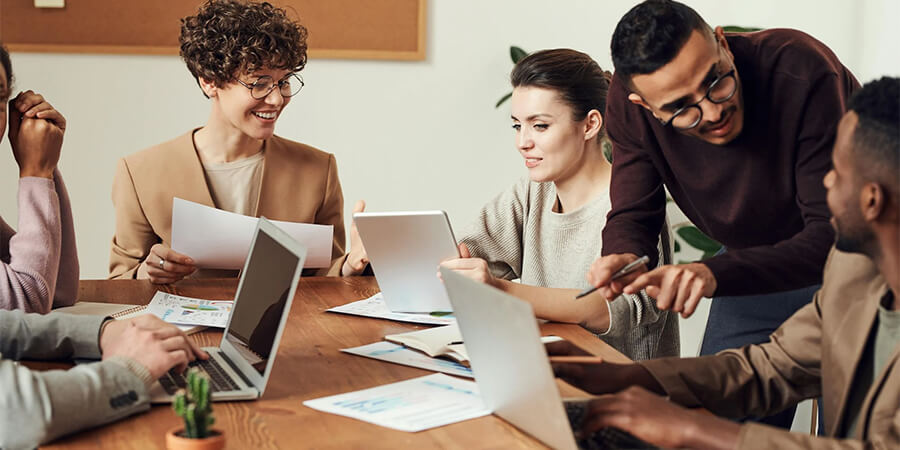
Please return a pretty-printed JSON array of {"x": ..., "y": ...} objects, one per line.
[
  {"x": 719, "y": 91},
  {"x": 261, "y": 88}
]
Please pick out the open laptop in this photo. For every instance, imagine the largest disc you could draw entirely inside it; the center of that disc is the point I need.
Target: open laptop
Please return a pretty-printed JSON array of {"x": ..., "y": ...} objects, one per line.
[
  {"x": 512, "y": 371},
  {"x": 240, "y": 366},
  {"x": 405, "y": 249}
]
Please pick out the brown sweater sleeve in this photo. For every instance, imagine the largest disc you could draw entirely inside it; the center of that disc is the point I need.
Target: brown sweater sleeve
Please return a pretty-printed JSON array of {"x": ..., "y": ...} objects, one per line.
[{"x": 636, "y": 188}]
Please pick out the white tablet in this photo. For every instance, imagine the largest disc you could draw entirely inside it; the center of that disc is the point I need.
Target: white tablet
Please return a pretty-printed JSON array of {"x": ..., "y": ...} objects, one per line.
[{"x": 405, "y": 249}]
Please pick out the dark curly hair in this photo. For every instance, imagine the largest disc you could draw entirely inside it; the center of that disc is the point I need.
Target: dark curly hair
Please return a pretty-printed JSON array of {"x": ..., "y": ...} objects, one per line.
[
  {"x": 575, "y": 76},
  {"x": 7, "y": 66},
  {"x": 876, "y": 140},
  {"x": 651, "y": 34},
  {"x": 230, "y": 37}
]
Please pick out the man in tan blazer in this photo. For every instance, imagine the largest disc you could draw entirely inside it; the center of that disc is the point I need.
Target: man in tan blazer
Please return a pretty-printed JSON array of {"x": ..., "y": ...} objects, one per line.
[{"x": 843, "y": 346}]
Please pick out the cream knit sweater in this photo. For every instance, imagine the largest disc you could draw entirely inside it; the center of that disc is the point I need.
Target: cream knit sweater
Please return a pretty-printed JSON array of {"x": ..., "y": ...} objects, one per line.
[{"x": 520, "y": 237}]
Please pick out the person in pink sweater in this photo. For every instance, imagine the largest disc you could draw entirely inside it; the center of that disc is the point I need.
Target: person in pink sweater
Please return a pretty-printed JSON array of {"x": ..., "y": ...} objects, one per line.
[{"x": 39, "y": 262}]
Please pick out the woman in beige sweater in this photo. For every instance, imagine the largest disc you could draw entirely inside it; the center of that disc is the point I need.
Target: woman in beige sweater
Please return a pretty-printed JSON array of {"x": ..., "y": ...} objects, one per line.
[
  {"x": 545, "y": 230},
  {"x": 245, "y": 57}
]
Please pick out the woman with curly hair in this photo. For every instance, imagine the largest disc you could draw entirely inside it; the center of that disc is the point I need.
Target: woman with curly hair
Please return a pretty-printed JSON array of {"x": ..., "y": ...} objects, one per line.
[{"x": 245, "y": 57}]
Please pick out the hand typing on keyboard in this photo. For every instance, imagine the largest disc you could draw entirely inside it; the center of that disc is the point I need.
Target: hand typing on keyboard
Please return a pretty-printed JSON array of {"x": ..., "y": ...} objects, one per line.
[
  {"x": 146, "y": 339},
  {"x": 625, "y": 402},
  {"x": 654, "y": 420}
]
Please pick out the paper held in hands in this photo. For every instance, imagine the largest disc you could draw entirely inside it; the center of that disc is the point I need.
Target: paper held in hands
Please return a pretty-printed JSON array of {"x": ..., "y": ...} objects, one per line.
[
  {"x": 412, "y": 405},
  {"x": 217, "y": 239}
]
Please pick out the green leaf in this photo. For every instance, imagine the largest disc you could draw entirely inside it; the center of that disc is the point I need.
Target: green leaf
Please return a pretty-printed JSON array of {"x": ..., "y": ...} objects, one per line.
[
  {"x": 502, "y": 100},
  {"x": 695, "y": 238},
  {"x": 606, "y": 145},
  {"x": 739, "y": 29},
  {"x": 516, "y": 53},
  {"x": 677, "y": 247}
]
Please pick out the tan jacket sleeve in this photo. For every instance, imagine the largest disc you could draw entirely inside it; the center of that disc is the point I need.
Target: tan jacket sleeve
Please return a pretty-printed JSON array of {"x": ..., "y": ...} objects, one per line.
[
  {"x": 755, "y": 380},
  {"x": 133, "y": 236},
  {"x": 764, "y": 437},
  {"x": 332, "y": 213}
]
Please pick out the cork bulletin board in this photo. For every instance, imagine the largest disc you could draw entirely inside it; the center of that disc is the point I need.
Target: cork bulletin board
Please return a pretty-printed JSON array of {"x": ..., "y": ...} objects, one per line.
[{"x": 346, "y": 29}]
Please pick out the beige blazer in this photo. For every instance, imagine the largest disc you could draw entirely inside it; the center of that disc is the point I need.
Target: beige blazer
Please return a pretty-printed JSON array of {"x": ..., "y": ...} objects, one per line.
[
  {"x": 299, "y": 184},
  {"x": 815, "y": 352}
]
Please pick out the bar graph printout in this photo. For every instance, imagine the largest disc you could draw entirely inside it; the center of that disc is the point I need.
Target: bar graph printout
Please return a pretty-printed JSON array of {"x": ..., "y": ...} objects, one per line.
[
  {"x": 190, "y": 311},
  {"x": 412, "y": 405}
]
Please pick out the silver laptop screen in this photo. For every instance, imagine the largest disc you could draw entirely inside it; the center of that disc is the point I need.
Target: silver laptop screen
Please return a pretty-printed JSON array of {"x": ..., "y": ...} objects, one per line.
[{"x": 260, "y": 303}]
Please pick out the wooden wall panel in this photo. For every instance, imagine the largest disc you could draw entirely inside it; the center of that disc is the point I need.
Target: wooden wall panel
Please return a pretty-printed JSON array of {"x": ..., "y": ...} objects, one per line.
[{"x": 353, "y": 29}]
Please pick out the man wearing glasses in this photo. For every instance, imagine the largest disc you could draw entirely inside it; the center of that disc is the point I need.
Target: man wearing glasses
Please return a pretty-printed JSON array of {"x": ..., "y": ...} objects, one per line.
[{"x": 739, "y": 129}]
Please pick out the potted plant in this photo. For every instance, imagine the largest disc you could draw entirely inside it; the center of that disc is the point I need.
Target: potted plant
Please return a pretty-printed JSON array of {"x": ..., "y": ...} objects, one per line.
[{"x": 193, "y": 405}]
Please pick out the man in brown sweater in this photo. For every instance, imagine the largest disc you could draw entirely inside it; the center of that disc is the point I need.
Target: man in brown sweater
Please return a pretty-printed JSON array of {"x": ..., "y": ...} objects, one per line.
[
  {"x": 844, "y": 346},
  {"x": 739, "y": 128}
]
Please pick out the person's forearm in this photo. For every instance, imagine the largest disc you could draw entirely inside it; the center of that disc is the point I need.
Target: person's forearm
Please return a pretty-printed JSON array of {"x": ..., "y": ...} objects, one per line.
[
  {"x": 791, "y": 264},
  {"x": 67, "y": 280},
  {"x": 560, "y": 305},
  {"x": 28, "y": 280},
  {"x": 37, "y": 407},
  {"x": 51, "y": 336},
  {"x": 711, "y": 432}
]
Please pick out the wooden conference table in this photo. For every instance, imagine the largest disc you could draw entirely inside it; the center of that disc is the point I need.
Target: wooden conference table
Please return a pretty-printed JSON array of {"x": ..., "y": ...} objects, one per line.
[{"x": 309, "y": 365}]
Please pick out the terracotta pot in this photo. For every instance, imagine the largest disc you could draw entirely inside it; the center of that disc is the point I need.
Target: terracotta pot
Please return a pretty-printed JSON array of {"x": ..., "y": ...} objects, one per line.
[{"x": 175, "y": 442}]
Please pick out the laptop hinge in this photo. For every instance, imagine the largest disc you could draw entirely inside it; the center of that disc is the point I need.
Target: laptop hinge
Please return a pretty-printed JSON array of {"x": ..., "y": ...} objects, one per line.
[{"x": 235, "y": 369}]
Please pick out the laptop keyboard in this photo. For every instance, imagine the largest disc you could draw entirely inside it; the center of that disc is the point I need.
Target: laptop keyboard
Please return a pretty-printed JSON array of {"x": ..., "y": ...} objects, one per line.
[
  {"x": 604, "y": 438},
  {"x": 218, "y": 378}
]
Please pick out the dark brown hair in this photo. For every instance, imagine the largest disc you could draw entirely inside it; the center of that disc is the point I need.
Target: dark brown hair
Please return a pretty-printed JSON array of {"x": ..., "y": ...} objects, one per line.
[
  {"x": 229, "y": 37},
  {"x": 578, "y": 79}
]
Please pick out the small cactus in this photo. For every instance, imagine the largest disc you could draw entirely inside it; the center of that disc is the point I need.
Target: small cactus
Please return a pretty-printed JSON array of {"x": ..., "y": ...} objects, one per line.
[{"x": 193, "y": 405}]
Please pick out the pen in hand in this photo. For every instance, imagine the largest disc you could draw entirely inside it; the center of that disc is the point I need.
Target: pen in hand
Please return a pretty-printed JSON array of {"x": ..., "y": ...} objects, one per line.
[{"x": 629, "y": 268}]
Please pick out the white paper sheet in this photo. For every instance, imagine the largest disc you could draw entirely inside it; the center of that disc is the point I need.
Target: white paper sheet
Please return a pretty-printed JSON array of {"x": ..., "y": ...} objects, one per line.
[
  {"x": 190, "y": 311},
  {"x": 412, "y": 405},
  {"x": 375, "y": 306},
  {"x": 398, "y": 354},
  {"x": 218, "y": 239}
]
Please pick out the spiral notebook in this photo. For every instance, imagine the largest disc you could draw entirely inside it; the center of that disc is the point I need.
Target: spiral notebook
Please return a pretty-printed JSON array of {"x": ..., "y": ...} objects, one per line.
[{"x": 188, "y": 314}]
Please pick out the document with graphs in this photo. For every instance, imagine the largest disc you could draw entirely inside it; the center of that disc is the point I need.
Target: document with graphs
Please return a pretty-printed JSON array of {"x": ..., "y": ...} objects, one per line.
[{"x": 412, "y": 405}]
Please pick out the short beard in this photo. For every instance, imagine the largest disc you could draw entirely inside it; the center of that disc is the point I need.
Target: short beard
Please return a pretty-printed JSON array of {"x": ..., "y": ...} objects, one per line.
[{"x": 858, "y": 242}]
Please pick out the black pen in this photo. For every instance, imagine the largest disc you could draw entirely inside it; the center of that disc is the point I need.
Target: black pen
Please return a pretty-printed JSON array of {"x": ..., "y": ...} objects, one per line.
[{"x": 630, "y": 267}]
